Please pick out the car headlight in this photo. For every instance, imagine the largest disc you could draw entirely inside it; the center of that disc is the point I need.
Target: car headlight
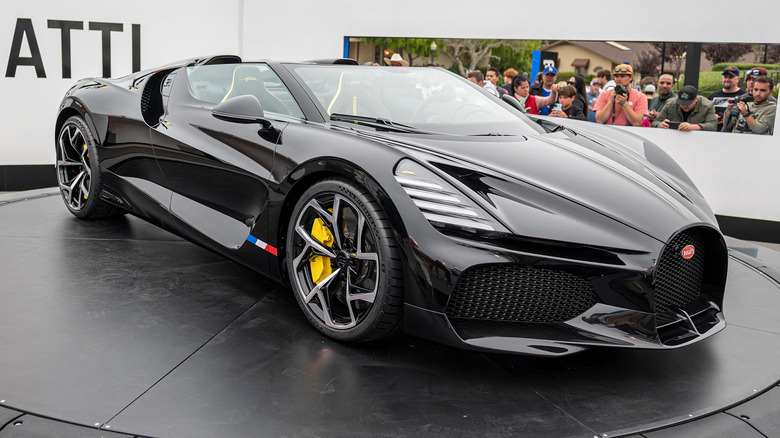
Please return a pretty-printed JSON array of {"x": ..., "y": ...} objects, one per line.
[{"x": 443, "y": 205}]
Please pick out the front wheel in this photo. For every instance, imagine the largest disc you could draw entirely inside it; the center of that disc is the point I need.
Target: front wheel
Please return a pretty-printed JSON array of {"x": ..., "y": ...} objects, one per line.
[
  {"x": 344, "y": 262},
  {"x": 78, "y": 171}
]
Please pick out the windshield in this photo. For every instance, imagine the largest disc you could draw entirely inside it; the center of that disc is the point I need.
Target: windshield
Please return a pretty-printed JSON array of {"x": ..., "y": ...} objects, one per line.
[{"x": 421, "y": 97}]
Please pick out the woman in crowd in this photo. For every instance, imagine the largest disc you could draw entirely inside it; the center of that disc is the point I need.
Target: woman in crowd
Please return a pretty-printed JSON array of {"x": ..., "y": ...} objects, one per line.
[{"x": 520, "y": 90}]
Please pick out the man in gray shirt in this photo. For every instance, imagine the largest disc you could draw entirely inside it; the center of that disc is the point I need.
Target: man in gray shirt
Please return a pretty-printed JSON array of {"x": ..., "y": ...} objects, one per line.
[{"x": 757, "y": 117}]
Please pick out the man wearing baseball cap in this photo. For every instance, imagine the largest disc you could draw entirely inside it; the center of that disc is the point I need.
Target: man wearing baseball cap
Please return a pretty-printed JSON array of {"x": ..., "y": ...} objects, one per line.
[
  {"x": 543, "y": 89},
  {"x": 649, "y": 91},
  {"x": 720, "y": 98},
  {"x": 687, "y": 112},
  {"x": 621, "y": 105}
]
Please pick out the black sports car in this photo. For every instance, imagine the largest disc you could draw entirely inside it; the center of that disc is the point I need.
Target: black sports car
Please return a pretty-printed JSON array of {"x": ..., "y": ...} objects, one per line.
[{"x": 393, "y": 196}]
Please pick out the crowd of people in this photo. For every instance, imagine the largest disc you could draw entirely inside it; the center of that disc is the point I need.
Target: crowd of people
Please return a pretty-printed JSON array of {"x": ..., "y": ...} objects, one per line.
[{"x": 611, "y": 98}]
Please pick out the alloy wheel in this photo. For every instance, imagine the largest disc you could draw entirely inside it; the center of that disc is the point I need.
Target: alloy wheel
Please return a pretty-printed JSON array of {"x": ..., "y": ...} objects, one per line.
[
  {"x": 336, "y": 263},
  {"x": 74, "y": 174}
]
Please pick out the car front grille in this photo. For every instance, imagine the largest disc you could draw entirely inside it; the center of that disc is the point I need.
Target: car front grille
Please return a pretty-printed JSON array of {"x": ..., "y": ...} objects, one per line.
[
  {"x": 517, "y": 293},
  {"x": 678, "y": 281}
]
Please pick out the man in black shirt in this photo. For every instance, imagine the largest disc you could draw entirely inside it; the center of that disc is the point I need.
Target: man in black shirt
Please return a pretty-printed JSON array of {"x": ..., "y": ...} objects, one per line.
[
  {"x": 730, "y": 90},
  {"x": 565, "y": 109}
]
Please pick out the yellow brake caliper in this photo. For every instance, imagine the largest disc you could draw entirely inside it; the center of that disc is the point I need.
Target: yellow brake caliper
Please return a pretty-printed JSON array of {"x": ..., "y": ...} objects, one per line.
[{"x": 320, "y": 265}]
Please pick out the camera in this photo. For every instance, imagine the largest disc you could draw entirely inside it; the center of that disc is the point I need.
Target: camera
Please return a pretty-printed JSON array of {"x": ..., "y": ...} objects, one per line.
[
  {"x": 673, "y": 124},
  {"x": 742, "y": 98},
  {"x": 621, "y": 90}
]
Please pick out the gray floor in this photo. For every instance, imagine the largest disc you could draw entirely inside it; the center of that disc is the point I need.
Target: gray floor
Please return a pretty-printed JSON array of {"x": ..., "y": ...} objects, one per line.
[
  {"x": 772, "y": 246},
  {"x": 116, "y": 328}
]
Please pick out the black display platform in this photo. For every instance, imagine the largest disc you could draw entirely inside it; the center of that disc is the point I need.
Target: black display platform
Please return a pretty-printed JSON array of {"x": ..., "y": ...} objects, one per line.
[{"x": 119, "y": 329}]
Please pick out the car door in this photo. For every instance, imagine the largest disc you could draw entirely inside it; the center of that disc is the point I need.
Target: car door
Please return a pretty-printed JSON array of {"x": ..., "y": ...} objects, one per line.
[
  {"x": 218, "y": 169},
  {"x": 131, "y": 176}
]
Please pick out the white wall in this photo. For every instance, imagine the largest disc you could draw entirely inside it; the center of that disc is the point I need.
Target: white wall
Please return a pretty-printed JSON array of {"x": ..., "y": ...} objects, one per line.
[
  {"x": 737, "y": 174},
  {"x": 170, "y": 30}
]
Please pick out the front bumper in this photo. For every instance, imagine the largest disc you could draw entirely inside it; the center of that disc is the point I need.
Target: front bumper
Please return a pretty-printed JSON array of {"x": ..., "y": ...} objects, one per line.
[
  {"x": 543, "y": 305},
  {"x": 600, "y": 326}
]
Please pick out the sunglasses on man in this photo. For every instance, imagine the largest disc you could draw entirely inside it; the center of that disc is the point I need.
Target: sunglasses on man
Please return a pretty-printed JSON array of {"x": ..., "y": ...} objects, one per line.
[
  {"x": 754, "y": 73},
  {"x": 620, "y": 70}
]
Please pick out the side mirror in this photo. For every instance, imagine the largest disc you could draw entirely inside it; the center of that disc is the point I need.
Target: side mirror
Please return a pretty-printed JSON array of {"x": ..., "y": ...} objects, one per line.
[
  {"x": 514, "y": 102},
  {"x": 241, "y": 109}
]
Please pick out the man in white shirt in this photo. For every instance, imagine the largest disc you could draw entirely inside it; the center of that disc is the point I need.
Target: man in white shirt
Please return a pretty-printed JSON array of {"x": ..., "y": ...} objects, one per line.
[
  {"x": 604, "y": 77},
  {"x": 492, "y": 76},
  {"x": 477, "y": 78}
]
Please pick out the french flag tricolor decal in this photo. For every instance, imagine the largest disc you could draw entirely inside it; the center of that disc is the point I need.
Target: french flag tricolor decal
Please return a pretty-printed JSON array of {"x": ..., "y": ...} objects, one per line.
[{"x": 257, "y": 242}]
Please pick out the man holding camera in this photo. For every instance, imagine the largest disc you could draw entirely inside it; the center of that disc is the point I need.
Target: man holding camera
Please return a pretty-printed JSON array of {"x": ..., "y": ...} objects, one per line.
[
  {"x": 752, "y": 117},
  {"x": 621, "y": 105},
  {"x": 687, "y": 112}
]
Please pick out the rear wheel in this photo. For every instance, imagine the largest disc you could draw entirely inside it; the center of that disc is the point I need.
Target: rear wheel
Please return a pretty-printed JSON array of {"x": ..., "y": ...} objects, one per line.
[
  {"x": 78, "y": 171},
  {"x": 344, "y": 263}
]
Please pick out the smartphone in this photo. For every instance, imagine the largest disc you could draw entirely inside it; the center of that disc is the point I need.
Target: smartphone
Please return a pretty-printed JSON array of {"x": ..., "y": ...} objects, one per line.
[
  {"x": 557, "y": 106},
  {"x": 673, "y": 125}
]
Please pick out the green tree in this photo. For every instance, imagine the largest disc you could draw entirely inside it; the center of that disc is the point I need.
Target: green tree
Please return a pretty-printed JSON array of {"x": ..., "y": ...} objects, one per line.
[
  {"x": 675, "y": 54},
  {"x": 516, "y": 54},
  {"x": 766, "y": 53},
  {"x": 647, "y": 62},
  {"x": 409, "y": 48},
  {"x": 466, "y": 54},
  {"x": 718, "y": 53}
]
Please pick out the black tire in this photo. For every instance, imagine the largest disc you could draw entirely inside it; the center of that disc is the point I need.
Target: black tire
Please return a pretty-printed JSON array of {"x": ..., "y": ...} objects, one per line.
[
  {"x": 344, "y": 263},
  {"x": 78, "y": 172}
]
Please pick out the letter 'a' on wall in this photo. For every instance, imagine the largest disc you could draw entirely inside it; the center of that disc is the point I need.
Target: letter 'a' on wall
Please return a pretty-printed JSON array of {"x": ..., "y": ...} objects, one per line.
[{"x": 24, "y": 31}]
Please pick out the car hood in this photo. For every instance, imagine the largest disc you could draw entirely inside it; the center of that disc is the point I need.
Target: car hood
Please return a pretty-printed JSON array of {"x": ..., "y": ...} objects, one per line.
[{"x": 578, "y": 185}]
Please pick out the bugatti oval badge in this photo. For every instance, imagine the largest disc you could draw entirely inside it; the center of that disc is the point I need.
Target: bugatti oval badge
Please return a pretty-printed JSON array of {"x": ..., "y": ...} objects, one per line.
[{"x": 688, "y": 252}]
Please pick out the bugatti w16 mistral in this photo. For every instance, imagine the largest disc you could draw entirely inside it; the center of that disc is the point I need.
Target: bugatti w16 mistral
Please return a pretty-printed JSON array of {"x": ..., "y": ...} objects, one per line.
[{"x": 389, "y": 197}]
